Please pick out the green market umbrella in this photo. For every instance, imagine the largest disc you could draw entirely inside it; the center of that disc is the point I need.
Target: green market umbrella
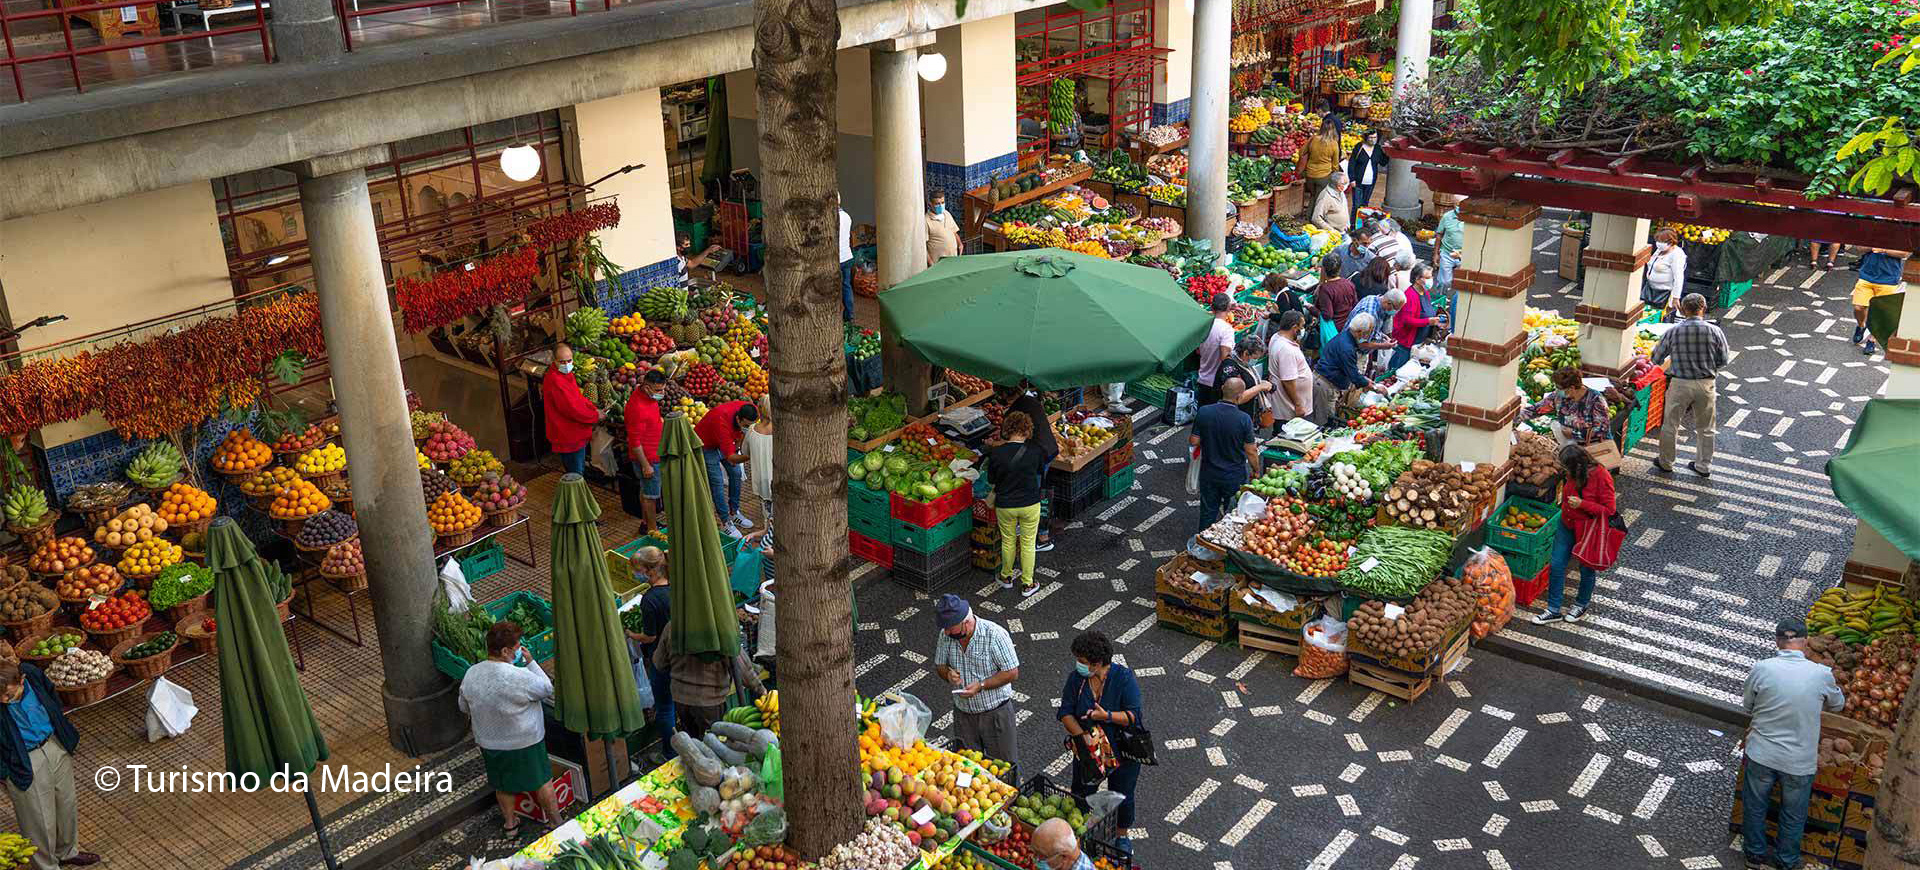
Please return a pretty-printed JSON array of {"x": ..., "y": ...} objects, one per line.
[
  {"x": 268, "y": 724},
  {"x": 1056, "y": 318},
  {"x": 1879, "y": 471},
  {"x": 593, "y": 677},
  {"x": 703, "y": 618},
  {"x": 1883, "y": 316}
]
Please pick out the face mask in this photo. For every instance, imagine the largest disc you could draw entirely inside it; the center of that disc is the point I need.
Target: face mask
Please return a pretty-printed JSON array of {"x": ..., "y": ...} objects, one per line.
[
  {"x": 1040, "y": 863},
  {"x": 1663, "y": 246},
  {"x": 566, "y": 368},
  {"x": 656, "y": 396},
  {"x": 1083, "y": 669},
  {"x": 939, "y": 208},
  {"x": 520, "y": 656}
]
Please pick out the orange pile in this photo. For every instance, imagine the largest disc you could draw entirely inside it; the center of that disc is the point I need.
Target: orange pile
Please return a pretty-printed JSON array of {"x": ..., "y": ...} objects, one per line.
[
  {"x": 240, "y": 451},
  {"x": 452, "y": 513},
  {"x": 299, "y": 500},
  {"x": 60, "y": 555},
  {"x": 185, "y": 503}
]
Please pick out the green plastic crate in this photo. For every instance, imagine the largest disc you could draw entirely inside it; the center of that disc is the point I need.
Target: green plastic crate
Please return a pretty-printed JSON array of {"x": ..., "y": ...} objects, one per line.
[
  {"x": 482, "y": 560},
  {"x": 1118, "y": 482},
  {"x": 880, "y": 530},
  {"x": 1526, "y": 566},
  {"x": 923, "y": 540},
  {"x": 1731, "y": 292},
  {"x": 1513, "y": 541},
  {"x": 540, "y": 646},
  {"x": 862, "y": 501}
]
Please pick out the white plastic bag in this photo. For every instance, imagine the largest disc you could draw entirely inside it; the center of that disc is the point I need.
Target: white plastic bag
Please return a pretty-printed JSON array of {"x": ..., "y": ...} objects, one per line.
[
  {"x": 1116, "y": 392},
  {"x": 764, "y": 646},
  {"x": 1103, "y": 802},
  {"x": 600, "y": 452},
  {"x": 1323, "y": 653},
  {"x": 1184, "y": 406},
  {"x": 454, "y": 582},
  {"x": 1193, "y": 472},
  {"x": 170, "y": 710},
  {"x": 905, "y": 720}
]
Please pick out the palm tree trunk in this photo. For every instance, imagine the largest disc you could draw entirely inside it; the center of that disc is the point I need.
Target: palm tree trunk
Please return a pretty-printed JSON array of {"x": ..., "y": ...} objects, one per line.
[
  {"x": 794, "y": 45},
  {"x": 1895, "y": 839}
]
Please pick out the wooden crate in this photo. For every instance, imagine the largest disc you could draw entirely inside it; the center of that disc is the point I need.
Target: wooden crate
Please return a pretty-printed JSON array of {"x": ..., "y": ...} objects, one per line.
[
  {"x": 1436, "y": 661},
  {"x": 1254, "y": 635},
  {"x": 112, "y": 25},
  {"x": 1291, "y": 620},
  {"x": 1210, "y": 603},
  {"x": 1406, "y": 685},
  {"x": 1187, "y": 621}
]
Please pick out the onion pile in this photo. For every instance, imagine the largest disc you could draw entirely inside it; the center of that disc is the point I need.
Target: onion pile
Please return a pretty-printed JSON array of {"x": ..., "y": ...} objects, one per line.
[
  {"x": 1876, "y": 688},
  {"x": 1285, "y": 522}
]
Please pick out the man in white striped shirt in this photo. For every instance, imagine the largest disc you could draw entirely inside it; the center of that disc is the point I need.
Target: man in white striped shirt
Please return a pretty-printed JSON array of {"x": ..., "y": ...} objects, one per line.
[{"x": 976, "y": 655}]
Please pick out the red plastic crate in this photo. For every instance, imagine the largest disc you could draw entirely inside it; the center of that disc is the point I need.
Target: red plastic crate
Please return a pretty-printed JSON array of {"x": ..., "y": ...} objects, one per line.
[
  {"x": 1119, "y": 456},
  {"x": 870, "y": 549},
  {"x": 1657, "y": 399},
  {"x": 1525, "y": 591},
  {"x": 926, "y": 515}
]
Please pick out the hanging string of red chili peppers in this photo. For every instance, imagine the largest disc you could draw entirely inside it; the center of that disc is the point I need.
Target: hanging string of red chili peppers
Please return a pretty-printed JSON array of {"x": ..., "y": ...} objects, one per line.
[
  {"x": 567, "y": 226},
  {"x": 453, "y": 293}
]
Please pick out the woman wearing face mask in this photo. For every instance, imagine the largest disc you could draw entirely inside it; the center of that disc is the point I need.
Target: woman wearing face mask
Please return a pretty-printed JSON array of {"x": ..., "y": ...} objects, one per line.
[
  {"x": 505, "y": 696},
  {"x": 1100, "y": 702},
  {"x": 943, "y": 234},
  {"x": 1666, "y": 276}
]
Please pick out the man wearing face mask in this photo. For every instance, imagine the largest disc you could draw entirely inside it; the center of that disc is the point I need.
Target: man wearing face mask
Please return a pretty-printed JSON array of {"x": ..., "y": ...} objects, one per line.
[
  {"x": 36, "y": 742},
  {"x": 643, "y": 443},
  {"x": 570, "y": 417},
  {"x": 943, "y": 234},
  {"x": 1055, "y": 847},
  {"x": 976, "y": 655}
]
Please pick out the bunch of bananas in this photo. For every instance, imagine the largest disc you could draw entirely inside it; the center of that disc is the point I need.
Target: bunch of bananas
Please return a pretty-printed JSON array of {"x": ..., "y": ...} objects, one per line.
[
  {"x": 767, "y": 708},
  {"x": 15, "y": 850},
  {"x": 1060, "y": 107},
  {"x": 749, "y": 716},
  {"x": 1859, "y": 615}
]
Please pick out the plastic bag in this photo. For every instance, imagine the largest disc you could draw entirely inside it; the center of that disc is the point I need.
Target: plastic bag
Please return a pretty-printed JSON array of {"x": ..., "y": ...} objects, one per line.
[
  {"x": 764, "y": 641},
  {"x": 1487, "y": 574},
  {"x": 1103, "y": 802},
  {"x": 1193, "y": 473},
  {"x": 454, "y": 582},
  {"x": 170, "y": 710},
  {"x": 991, "y": 832},
  {"x": 905, "y": 720},
  {"x": 1184, "y": 406},
  {"x": 1324, "y": 651},
  {"x": 642, "y": 685}
]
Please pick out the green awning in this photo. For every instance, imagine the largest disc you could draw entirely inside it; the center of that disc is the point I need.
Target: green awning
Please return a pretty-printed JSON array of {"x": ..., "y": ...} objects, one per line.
[{"x": 1878, "y": 475}]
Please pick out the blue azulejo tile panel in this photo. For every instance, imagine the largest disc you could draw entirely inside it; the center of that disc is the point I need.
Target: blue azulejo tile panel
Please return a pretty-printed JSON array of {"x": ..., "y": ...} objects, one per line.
[
  {"x": 1172, "y": 113},
  {"x": 103, "y": 457},
  {"x": 620, "y": 296},
  {"x": 956, "y": 180}
]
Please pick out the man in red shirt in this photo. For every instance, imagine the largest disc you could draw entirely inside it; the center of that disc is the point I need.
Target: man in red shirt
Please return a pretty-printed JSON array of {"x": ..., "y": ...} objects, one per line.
[
  {"x": 720, "y": 432},
  {"x": 643, "y": 442},
  {"x": 570, "y": 417}
]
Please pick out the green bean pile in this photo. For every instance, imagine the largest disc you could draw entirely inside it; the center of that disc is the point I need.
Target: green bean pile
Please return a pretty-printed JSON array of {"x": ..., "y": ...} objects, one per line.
[{"x": 1407, "y": 559}]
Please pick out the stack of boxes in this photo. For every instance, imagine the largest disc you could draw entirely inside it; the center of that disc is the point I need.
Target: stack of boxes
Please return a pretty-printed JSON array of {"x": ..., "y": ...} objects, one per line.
[
  {"x": 1840, "y": 814},
  {"x": 1527, "y": 552}
]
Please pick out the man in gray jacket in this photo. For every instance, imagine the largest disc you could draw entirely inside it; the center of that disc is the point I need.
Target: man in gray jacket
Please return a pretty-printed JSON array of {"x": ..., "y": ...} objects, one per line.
[{"x": 1784, "y": 697}]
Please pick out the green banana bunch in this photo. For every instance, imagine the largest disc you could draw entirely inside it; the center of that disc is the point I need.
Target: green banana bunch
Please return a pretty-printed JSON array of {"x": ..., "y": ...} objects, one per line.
[
  {"x": 26, "y": 506},
  {"x": 1060, "y": 106},
  {"x": 749, "y": 716},
  {"x": 1857, "y": 616},
  {"x": 157, "y": 465}
]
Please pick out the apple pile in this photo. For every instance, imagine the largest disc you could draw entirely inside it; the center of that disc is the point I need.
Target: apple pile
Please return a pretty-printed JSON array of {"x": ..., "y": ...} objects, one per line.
[
  {"x": 900, "y": 799},
  {"x": 446, "y": 441},
  {"x": 498, "y": 492}
]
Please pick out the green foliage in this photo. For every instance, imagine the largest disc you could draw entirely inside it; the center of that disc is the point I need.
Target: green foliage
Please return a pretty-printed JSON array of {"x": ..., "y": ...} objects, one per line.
[
  {"x": 1562, "y": 45},
  {"x": 1887, "y": 152}
]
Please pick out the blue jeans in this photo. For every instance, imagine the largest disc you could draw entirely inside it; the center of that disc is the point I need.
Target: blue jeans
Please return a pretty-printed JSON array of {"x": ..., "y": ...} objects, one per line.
[
  {"x": 725, "y": 502},
  {"x": 662, "y": 683},
  {"x": 1216, "y": 497},
  {"x": 1755, "y": 795},
  {"x": 846, "y": 290},
  {"x": 1557, "y": 573},
  {"x": 575, "y": 461},
  {"x": 1362, "y": 195},
  {"x": 1443, "y": 266}
]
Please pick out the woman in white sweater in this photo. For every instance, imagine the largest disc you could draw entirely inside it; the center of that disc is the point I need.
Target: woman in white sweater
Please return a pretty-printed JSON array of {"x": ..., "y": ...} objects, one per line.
[{"x": 504, "y": 695}]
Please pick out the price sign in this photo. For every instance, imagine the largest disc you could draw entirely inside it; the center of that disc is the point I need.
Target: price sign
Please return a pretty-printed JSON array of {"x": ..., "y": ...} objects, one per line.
[
  {"x": 1393, "y": 611},
  {"x": 963, "y": 780},
  {"x": 924, "y": 816},
  {"x": 1370, "y": 564},
  {"x": 1468, "y": 467},
  {"x": 95, "y": 600}
]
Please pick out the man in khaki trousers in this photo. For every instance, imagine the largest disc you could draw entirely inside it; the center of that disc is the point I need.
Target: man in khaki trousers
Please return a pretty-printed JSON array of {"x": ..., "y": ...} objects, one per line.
[
  {"x": 1693, "y": 351},
  {"x": 35, "y": 745}
]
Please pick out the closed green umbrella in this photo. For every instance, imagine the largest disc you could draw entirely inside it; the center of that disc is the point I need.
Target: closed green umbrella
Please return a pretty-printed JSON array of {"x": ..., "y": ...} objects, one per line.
[
  {"x": 703, "y": 620},
  {"x": 1055, "y": 318},
  {"x": 267, "y": 723},
  {"x": 593, "y": 678},
  {"x": 1879, "y": 471}
]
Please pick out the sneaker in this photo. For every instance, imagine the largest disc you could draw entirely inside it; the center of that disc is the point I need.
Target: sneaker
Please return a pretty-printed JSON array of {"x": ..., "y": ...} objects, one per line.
[
  {"x": 1859, "y": 332},
  {"x": 1124, "y": 844},
  {"x": 728, "y": 530},
  {"x": 1029, "y": 589},
  {"x": 1549, "y": 616},
  {"x": 740, "y": 521},
  {"x": 1756, "y": 864},
  {"x": 1662, "y": 467},
  {"x": 1042, "y": 546},
  {"x": 1696, "y": 469},
  {"x": 1007, "y": 582},
  {"x": 1575, "y": 612},
  {"x": 1870, "y": 348}
]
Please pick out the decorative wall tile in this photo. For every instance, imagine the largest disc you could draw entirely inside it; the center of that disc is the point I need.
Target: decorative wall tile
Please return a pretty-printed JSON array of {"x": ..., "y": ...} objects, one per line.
[
  {"x": 1172, "y": 113},
  {"x": 625, "y": 293},
  {"x": 957, "y": 180}
]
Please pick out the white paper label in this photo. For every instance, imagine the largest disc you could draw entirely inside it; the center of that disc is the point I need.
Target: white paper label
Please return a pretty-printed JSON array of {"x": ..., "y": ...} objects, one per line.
[
  {"x": 924, "y": 816},
  {"x": 130, "y": 14},
  {"x": 1468, "y": 467},
  {"x": 1370, "y": 564},
  {"x": 887, "y": 449},
  {"x": 1350, "y": 550},
  {"x": 1393, "y": 611},
  {"x": 962, "y": 779}
]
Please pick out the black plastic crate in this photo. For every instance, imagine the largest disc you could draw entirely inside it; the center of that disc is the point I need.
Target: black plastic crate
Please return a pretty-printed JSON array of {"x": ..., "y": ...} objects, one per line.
[
  {"x": 928, "y": 571},
  {"x": 1072, "y": 485},
  {"x": 1074, "y": 508},
  {"x": 1102, "y": 830}
]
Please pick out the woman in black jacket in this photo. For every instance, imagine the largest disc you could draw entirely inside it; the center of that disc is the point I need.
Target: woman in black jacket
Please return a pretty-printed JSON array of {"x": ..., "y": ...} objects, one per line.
[{"x": 1366, "y": 166}]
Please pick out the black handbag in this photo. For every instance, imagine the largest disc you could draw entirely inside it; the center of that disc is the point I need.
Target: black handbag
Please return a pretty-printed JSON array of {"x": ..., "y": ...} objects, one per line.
[{"x": 1135, "y": 745}]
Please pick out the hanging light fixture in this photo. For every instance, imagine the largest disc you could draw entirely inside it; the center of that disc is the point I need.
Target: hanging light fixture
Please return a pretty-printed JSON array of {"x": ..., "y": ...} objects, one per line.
[
  {"x": 520, "y": 162},
  {"x": 275, "y": 261},
  {"x": 932, "y": 66}
]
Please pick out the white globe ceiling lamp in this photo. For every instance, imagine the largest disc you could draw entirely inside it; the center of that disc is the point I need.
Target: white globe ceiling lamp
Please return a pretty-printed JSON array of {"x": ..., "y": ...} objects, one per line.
[
  {"x": 932, "y": 66},
  {"x": 520, "y": 162}
]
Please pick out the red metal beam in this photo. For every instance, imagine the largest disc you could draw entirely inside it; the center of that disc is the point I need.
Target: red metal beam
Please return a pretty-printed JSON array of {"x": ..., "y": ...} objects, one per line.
[
  {"x": 1805, "y": 223},
  {"x": 1602, "y": 171}
]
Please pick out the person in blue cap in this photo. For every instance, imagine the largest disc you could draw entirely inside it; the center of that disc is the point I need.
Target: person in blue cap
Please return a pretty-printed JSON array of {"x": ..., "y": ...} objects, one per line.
[
  {"x": 976, "y": 655},
  {"x": 1784, "y": 696}
]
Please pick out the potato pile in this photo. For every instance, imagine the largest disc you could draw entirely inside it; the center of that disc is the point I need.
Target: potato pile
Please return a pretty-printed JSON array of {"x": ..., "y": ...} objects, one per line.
[
  {"x": 1536, "y": 461},
  {"x": 1840, "y": 750},
  {"x": 1436, "y": 495},
  {"x": 133, "y": 525},
  {"x": 1436, "y": 611},
  {"x": 23, "y": 601}
]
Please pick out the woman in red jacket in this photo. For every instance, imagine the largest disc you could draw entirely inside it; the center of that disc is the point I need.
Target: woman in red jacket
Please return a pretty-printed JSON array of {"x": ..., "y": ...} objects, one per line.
[
  {"x": 1586, "y": 498},
  {"x": 570, "y": 417}
]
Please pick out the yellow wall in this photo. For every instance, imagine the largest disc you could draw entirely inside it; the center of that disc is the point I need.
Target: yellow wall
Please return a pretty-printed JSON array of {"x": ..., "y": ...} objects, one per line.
[
  {"x": 969, "y": 113},
  {"x": 110, "y": 264},
  {"x": 616, "y": 132},
  {"x": 1173, "y": 29}
]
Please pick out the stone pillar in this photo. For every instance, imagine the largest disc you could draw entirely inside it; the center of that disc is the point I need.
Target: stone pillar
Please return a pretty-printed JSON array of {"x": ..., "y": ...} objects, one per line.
[
  {"x": 1173, "y": 80},
  {"x": 1207, "y": 149},
  {"x": 421, "y": 704},
  {"x": 1410, "y": 68},
  {"x": 900, "y": 194},
  {"x": 305, "y": 31},
  {"x": 1874, "y": 559},
  {"x": 1610, "y": 307},
  {"x": 1495, "y": 271}
]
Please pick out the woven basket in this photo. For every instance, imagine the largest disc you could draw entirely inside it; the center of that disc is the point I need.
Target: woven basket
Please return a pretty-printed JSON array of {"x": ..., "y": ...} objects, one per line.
[
  {"x": 455, "y": 539},
  {"x": 26, "y": 627},
  {"x": 189, "y": 608},
  {"x": 326, "y": 479},
  {"x": 262, "y": 503},
  {"x": 110, "y": 639},
  {"x": 182, "y": 528},
  {"x": 155, "y": 492},
  {"x": 99, "y": 516},
  {"x": 6, "y": 652},
  {"x": 286, "y": 607},
  {"x": 139, "y": 581},
  {"x": 201, "y": 640},
  {"x": 347, "y": 582},
  {"x": 323, "y": 547},
  {"x": 236, "y": 475},
  {"x": 149, "y": 667},
  {"x": 26, "y": 643},
  {"x": 35, "y": 537},
  {"x": 81, "y": 696},
  {"x": 502, "y": 519},
  {"x": 291, "y": 528}
]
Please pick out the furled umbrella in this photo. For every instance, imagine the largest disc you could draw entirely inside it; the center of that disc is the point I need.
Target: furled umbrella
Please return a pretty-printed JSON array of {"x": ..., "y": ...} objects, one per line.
[
  {"x": 703, "y": 618},
  {"x": 268, "y": 724},
  {"x": 1056, "y": 318},
  {"x": 1879, "y": 471},
  {"x": 593, "y": 678}
]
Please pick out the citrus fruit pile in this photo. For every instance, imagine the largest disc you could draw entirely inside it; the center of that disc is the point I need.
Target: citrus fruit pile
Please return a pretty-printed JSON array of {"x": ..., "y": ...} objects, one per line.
[
  {"x": 1515, "y": 518},
  {"x": 451, "y": 513},
  {"x": 735, "y": 365},
  {"x": 60, "y": 555},
  {"x": 626, "y": 324},
  {"x": 299, "y": 500},
  {"x": 420, "y": 456},
  {"x": 268, "y": 481},
  {"x": 56, "y": 643},
  {"x": 321, "y": 460},
  {"x": 240, "y": 451},
  {"x": 146, "y": 558},
  {"x": 186, "y": 503}
]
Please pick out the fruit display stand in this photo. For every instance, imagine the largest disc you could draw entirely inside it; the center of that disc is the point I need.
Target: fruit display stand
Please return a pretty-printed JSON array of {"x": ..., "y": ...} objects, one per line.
[
  {"x": 980, "y": 202},
  {"x": 1845, "y": 792}
]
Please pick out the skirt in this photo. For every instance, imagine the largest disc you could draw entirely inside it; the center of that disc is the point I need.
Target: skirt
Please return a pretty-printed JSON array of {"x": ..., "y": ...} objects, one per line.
[{"x": 518, "y": 770}]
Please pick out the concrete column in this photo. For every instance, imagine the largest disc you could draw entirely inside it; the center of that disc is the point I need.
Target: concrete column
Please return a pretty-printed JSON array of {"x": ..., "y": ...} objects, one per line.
[
  {"x": 421, "y": 704},
  {"x": 1410, "y": 68},
  {"x": 305, "y": 31},
  {"x": 1207, "y": 147},
  {"x": 1172, "y": 81},
  {"x": 900, "y": 194},
  {"x": 1495, "y": 271},
  {"x": 1610, "y": 308}
]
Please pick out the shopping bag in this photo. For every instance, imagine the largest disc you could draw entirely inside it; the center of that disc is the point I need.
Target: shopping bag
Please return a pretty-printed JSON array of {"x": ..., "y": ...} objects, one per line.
[
  {"x": 170, "y": 710},
  {"x": 904, "y": 720},
  {"x": 764, "y": 638},
  {"x": 1193, "y": 473},
  {"x": 453, "y": 581},
  {"x": 1324, "y": 652},
  {"x": 1598, "y": 546},
  {"x": 640, "y": 681},
  {"x": 1328, "y": 331},
  {"x": 602, "y": 452},
  {"x": 1607, "y": 454},
  {"x": 1184, "y": 406}
]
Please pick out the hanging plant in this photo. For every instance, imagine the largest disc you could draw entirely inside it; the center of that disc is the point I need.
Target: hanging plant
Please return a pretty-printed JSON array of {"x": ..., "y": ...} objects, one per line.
[{"x": 453, "y": 293}]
